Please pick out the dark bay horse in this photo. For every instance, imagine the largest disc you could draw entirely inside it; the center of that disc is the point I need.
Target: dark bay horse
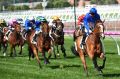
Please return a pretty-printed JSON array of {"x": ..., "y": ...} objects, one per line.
[
  {"x": 43, "y": 43},
  {"x": 2, "y": 42},
  {"x": 14, "y": 39},
  {"x": 93, "y": 47},
  {"x": 58, "y": 38}
]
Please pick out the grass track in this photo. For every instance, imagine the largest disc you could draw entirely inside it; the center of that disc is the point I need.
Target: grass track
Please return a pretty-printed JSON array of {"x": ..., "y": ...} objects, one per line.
[{"x": 70, "y": 68}]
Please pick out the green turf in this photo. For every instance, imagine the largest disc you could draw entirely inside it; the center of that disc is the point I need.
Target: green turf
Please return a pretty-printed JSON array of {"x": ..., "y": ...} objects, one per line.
[{"x": 70, "y": 68}]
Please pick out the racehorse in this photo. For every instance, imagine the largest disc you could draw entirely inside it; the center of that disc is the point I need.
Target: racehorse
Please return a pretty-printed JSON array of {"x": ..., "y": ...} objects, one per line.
[
  {"x": 93, "y": 47},
  {"x": 2, "y": 43},
  {"x": 14, "y": 39},
  {"x": 58, "y": 38},
  {"x": 43, "y": 43}
]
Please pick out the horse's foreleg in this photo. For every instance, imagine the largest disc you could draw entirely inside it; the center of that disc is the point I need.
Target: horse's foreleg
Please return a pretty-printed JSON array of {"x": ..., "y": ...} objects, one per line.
[
  {"x": 102, "y": 56},
  {"x": 58, "y": 54},
  {"x": 14, "y": 51},
  {"x": 50, "y": 54},
  {"x": 5, "y": 45},
  {"x": 45, "y": 59},
  {"x": 20, "y": 50},
  {"x": 11, "y": 50},
  {"x": 53, "y": 48},
  {"x": 0, "y": 47},
  {"x": 96, "y": 65},
  {"x": 36, "y": 54},
  {"x": 82, "y": 57},
  {"x": 63, "y": 50}
]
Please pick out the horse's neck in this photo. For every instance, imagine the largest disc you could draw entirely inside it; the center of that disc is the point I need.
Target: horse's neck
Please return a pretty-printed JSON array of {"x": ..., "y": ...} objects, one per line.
[{"x": 94, "y": 37}]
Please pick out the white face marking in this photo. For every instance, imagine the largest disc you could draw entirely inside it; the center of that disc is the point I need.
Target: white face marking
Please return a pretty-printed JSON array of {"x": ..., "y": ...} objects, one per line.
[{"x": 101, "y": 30}]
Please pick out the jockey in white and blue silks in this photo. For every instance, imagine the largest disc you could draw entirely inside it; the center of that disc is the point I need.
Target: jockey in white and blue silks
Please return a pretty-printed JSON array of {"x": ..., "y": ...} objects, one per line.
[
  {"x": 90, "y": 18},
  {"x": 29, "y": 23}
]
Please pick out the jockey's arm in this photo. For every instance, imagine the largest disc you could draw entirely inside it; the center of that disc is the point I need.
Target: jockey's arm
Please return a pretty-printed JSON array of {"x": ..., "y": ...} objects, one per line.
[{"x": 86, "y": 23}]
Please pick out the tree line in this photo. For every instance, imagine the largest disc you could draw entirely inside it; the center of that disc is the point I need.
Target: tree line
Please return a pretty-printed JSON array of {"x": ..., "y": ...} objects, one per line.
[{"x": 51, "y": 4}]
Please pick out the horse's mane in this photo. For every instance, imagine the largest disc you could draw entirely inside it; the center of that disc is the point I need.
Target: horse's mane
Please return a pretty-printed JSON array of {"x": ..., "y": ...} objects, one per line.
[{"x": 98, "y": 21}]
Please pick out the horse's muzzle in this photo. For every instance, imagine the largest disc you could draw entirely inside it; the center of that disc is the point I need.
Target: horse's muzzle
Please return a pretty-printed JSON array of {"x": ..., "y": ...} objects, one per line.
[{"x": 103, "y": 35}]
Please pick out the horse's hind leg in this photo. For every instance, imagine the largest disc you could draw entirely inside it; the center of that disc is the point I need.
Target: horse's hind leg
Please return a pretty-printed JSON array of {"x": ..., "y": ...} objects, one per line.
[
  {"x": 82, "y": 57},
  {"x": 63, "y": 50}
]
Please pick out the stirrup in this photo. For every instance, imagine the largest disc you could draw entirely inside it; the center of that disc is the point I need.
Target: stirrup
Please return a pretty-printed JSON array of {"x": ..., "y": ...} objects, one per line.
[
  {"x": 33, "y": 42},
  {"x": 81, "y": 46},
  {"x": 24, "y": 36},
  {"x": 6, "y": 37}
]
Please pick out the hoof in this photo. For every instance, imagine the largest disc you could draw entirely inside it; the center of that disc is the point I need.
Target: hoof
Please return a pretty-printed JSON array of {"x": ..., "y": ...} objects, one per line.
[{"x": 47, "y": 62}]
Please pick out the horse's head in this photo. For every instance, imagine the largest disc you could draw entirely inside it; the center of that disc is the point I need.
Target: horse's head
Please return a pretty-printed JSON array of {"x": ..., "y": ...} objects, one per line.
[
  {"x": 17, "y": 27},
  {"x": 59, "y": 26},
  {"x": 45, "y": 28},
  {"x": 99, "y": 28}
]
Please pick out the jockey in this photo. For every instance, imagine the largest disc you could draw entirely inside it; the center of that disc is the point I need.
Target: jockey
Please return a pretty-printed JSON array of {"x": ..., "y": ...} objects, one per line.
[
  {"x": 52, "y": 23},
  {"x": 38, "y": 22},
  {"x": 2, "y": 24},
  {"x": 11, "y": 25},
  {"x": 20, "y": 21},
  {"x": 80, "y": 21},
  {"x": 29, "y": 24},
  {"x": 89, "y": 21}
]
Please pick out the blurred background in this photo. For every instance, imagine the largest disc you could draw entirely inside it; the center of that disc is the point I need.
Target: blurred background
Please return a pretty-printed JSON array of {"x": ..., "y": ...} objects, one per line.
[{"x": 109, "y": 10}]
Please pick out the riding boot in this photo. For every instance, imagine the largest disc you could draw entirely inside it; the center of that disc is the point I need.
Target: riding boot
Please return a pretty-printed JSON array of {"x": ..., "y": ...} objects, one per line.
[
  {"x": 24, "y": 34},
  {"x": 7, "y": 33},
  {"x": 84, "y": 38},
  {"x": 34, "y": 39}
]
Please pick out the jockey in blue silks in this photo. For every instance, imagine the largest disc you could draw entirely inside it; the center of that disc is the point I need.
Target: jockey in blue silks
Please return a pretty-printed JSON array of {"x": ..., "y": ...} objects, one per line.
[
  {"x": 90, "y": 19},
  {"x": 29, "y": 24},
  {"x": 38, "y": 22}
]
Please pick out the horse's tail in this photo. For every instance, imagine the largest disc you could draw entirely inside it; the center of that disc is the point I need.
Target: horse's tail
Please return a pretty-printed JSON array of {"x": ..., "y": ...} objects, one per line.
[
  {"x": 74, "y": 37},
  {"x": 31, "y": 54},
  {"x": 74, "y": 50}
]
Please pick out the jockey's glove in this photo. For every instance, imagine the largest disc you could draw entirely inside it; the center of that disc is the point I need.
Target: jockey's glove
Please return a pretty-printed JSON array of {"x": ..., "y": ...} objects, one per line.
[{"x": 29, "y": 28}]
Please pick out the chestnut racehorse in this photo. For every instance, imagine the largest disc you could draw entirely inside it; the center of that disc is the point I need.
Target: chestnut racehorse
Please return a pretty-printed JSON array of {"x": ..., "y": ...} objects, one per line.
[
  {"x": 43, "y": 43},
  {"x": 93, "y": 47},
  {"x": 14, "y": 38}
]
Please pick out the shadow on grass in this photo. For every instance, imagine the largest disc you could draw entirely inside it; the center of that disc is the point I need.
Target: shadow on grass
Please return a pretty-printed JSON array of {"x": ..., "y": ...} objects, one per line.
[
  {"x": 111, "y": 53},
  {"x": 63, "y": 66},
  {"x": 111, "y": 75}
]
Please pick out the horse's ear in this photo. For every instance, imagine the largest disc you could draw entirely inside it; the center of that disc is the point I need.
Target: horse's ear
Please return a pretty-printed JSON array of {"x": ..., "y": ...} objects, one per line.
[{"x": 103, "y": 21}]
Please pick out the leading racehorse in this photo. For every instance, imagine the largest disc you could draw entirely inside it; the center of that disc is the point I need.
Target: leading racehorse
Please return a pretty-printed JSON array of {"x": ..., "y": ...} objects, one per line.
[
  {"x": 43, "y": 43},
  {"x": 58, "y": 38},
  {"x": 93, "y": 47}
]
